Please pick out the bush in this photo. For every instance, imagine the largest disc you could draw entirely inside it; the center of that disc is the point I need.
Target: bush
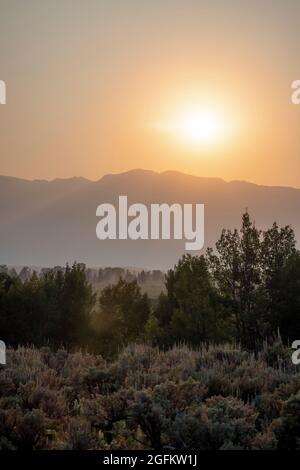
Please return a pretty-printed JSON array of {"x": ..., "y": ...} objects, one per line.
[{"x": 206, "y": 398}]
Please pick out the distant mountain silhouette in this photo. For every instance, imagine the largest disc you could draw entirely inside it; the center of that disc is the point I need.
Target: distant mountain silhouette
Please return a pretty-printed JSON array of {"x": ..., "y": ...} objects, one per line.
[{"x": 48, "y": 223}]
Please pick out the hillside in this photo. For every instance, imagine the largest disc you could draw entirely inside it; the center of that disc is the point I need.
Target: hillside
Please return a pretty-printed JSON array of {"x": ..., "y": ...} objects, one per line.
[{"x": 45, "y": 223}]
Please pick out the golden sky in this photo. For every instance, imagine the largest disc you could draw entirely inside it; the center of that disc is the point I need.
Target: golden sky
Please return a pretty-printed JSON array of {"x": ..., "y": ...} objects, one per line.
[{"x": 104, "y": 86}]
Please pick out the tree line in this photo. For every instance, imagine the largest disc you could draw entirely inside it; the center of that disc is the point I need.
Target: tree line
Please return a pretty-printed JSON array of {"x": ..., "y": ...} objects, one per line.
[
  {"x": 245, "y": 290},
  {"x": 93, "y": 275}
]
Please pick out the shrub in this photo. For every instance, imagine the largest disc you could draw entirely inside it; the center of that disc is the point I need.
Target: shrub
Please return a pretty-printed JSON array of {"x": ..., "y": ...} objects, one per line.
[{"x": 206, "y": 398}]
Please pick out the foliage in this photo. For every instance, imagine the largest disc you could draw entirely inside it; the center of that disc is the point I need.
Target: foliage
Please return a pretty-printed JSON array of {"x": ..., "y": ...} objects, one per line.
[
  {"x": 54, "y": 309},
  {"x": 191, "y": 310},
  {"x": 123, "y": 313},
  {"x": 208, "y": 398},
  {"x": 247, "y": 268},
  {"x": 215, "y": 371},
  {"x": 60, "y": 309}
]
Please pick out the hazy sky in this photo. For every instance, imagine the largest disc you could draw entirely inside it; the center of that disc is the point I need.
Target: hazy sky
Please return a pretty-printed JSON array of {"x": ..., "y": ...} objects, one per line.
[{"x": 87, "y": 80}]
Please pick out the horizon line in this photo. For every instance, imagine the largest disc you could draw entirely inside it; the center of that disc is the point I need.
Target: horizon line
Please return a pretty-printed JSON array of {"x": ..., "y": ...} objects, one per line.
[{"x": 144, "y": 170}]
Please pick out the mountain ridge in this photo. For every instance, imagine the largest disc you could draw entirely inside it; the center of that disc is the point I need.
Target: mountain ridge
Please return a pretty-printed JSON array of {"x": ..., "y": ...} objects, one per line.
[
  {"x": 47, "y": 223},
  {"x": 141, "y": 171}
]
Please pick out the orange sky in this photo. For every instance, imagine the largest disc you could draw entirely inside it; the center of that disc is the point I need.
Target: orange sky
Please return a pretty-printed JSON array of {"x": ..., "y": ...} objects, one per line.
[{"x": 87, "y": 80}]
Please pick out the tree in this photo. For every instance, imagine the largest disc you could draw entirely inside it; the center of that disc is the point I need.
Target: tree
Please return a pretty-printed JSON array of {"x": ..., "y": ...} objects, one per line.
[
  {"x": 190, "y": 311},
  {"x": 75, "y": 301},
  {"x": 52, "y": 309},
  {"x": 123, "y": 313},
  {"x": 285, "y": 312},
  {"x": 278, "y": 260},
  {"x": 247, "y": 268},
  {"x": 236, "y": 270}
]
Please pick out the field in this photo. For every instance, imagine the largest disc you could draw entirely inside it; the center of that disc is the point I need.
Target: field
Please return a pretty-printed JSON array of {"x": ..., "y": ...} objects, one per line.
[{"x": 206, "y": 398}]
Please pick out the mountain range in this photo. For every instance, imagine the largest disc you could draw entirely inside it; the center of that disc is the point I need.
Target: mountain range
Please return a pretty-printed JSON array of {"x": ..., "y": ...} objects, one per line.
[{"x": 48, "y": 223}]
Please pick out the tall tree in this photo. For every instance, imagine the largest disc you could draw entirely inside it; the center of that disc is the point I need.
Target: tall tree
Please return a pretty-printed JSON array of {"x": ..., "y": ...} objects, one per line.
[
  {"x": 277, "y": 247},
  {"x": 236, "y": 268},
  {"x": 123, "y": 313},
  {"x": 284, "y": 313},
  {"x": 190, "y": 310}
]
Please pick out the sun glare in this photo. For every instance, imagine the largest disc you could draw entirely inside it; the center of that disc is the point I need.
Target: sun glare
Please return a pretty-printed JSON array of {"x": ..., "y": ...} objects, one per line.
[
  {"x": 203, "y": 126},
  {"x": 195, "y": 126}
]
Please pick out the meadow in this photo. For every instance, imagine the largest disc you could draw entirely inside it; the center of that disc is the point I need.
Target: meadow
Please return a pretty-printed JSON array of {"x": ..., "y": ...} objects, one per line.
[{"x": 207, "y": 398}]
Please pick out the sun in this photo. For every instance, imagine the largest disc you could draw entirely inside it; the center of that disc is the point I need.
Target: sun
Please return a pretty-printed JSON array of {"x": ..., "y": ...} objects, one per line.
[
  {"x": 200, "y": 126},
  {"x": 195, "y": 126}
]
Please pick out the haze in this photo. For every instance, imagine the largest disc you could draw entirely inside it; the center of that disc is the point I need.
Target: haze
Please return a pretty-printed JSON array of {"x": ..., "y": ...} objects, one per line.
[{"x": 87, "y": 80}]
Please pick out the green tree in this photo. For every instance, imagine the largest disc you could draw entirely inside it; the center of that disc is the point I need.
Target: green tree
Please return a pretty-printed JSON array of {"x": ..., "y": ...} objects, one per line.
[
  {"x": 285, "y": 312},
  {"x": 236, "y": 270},
  {"x": 190, "y": 311},
  {"x": 247, "y": 268},
  {"x": 52, "y": 309},
  {"x": 123, "y": 313},
  {"x": 278, "y": 262},
  {"x": 76, "y": 301}
]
